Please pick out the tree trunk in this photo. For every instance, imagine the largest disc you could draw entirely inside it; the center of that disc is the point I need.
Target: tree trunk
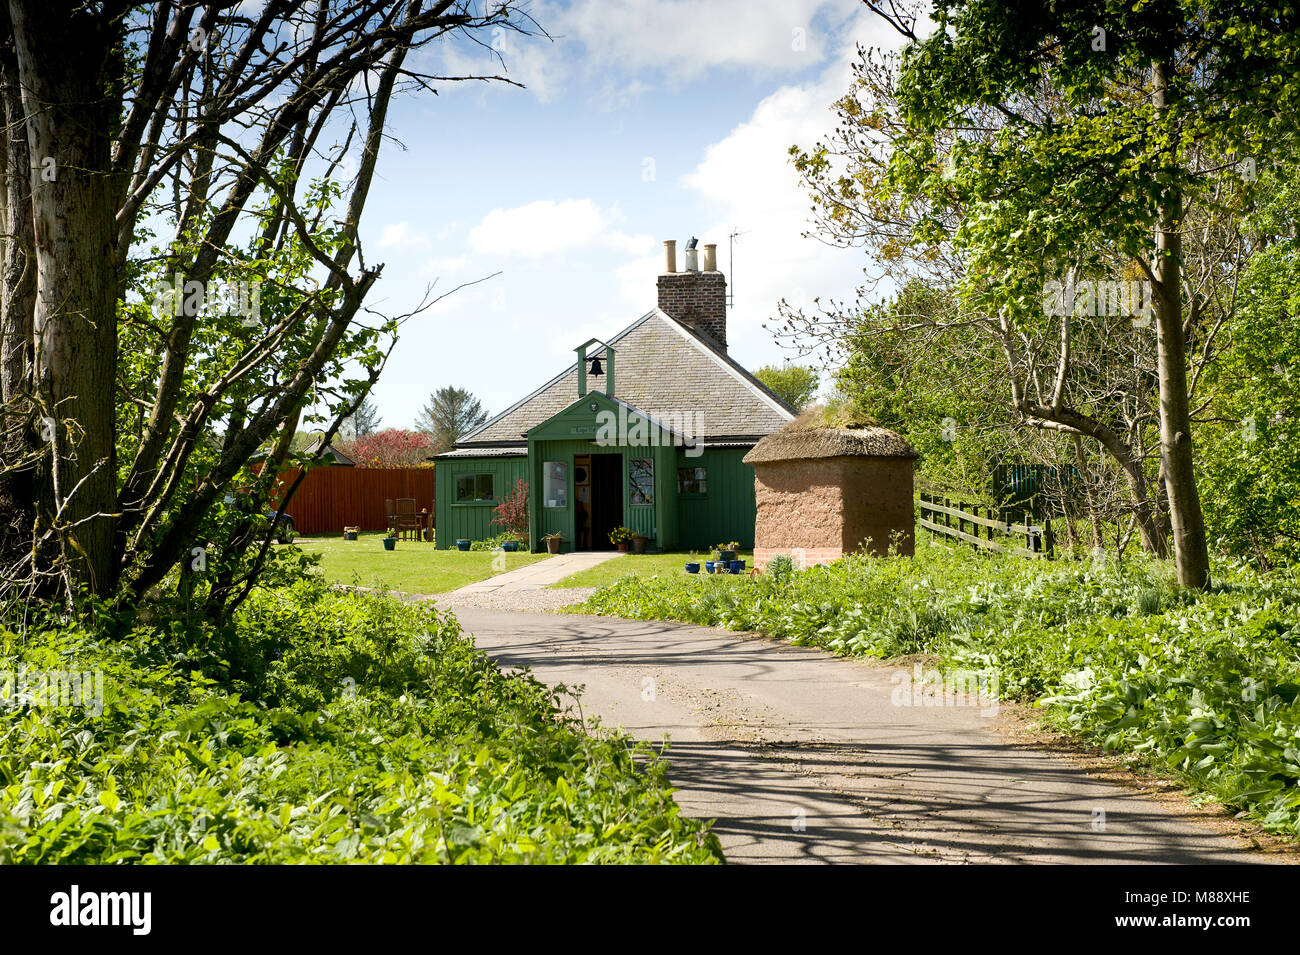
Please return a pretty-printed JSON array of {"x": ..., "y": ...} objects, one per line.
[
  {"x": 18, "y": 438},
  {"x": 70, "y": 119},
  {"x": 1191, "y": 554},
  {"x": 1089, "y": 497}
]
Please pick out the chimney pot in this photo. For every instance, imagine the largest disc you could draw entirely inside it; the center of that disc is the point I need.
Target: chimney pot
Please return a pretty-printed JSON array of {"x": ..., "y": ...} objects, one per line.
[
  {"x": 670, "y": 251},
  {"x": 697, "y": 299}
]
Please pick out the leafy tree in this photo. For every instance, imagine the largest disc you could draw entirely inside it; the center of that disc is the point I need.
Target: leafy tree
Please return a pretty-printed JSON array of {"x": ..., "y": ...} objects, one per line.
[
  {"x": 364, "y": 421},
  {"x": 1038, "y": 139},
  {"x": 794, "y": 384},
  {"x": 390, "y": 448},
  {"x": 1251, "y": 445},
  {"x": 157, "y": 157},
  {"x": 450, "y": 413},
  {"x": 956, "y": 356}
]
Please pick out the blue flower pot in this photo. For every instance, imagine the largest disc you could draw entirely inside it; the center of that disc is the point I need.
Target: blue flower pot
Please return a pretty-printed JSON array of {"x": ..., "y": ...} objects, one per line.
[
  {"x": 711, "y": 566},
  {"x": 390, "y": 543},
  {"x": 510, "y": 546},
  {"x": 692, "y": 568},
  {"x": 462, "y": 545},
  {"x": 737, "y": 566}
]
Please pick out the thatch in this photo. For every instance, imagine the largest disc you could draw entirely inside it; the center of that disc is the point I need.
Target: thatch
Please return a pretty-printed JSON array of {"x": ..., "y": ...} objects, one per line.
[{"x": 796, "y": 443}]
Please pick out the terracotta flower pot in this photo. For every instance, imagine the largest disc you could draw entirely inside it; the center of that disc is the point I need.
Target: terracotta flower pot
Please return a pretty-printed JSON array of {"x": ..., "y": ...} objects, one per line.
[
  {"x": 639, "y": 544},
  {"x": 622, "y": 547}
]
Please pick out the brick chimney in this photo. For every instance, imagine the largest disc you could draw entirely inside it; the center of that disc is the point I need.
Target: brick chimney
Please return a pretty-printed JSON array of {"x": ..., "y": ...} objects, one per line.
[{"x": 696, "y": 297}]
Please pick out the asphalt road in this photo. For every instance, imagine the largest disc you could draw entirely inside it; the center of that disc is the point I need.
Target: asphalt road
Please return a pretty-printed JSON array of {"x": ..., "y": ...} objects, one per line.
[{"x": 800, "y": 756}]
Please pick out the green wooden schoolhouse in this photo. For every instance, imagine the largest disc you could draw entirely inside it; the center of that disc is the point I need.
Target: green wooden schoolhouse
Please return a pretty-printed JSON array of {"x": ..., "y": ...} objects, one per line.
[{"x": 646, "y": 430}]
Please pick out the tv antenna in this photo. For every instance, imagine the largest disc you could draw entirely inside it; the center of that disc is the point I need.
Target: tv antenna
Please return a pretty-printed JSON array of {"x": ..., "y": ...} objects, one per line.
[{"x": 731, "y": 265}]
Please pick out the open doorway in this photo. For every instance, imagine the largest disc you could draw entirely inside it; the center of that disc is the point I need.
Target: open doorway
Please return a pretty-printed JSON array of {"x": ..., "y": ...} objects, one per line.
[{"x": 605, "y": 511}]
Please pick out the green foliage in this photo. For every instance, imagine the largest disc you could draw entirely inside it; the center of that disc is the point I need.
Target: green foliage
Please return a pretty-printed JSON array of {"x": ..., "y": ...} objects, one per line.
[
  {"x": 450, "y": 414},
  {"x": 780, "y": 567},
  {"x": 793, "y": 384},
  {"x": 1204, "y": 685},
  {"x": 512, "y": 512},
  {"x": 494, "y": 543},
  {"x": 1250, "y": 449},
  {"x": 327, "y": 727}
]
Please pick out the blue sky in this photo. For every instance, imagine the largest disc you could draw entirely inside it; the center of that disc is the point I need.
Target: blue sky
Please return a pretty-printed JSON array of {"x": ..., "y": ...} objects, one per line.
[{"x": 642, "y": 120}]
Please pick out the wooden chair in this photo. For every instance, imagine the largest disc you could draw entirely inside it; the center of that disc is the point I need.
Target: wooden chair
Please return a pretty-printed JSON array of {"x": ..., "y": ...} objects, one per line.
[{"x": 409, "y": 522}]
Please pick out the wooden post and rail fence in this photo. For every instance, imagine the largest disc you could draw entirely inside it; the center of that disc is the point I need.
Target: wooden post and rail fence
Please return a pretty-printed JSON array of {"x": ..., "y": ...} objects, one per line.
[{"x": 962, "y": 522}]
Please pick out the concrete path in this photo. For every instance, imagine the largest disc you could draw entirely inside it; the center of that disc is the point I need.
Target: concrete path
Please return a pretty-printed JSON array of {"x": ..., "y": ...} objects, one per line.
[
  {"x": 804, "y": 757},
  {"x": 534, "y": 576}
]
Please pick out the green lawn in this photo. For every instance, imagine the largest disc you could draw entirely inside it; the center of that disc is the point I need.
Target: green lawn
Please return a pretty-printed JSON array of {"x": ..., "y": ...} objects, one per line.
[
  {"x": 415, "y": 567},
  {"x": 643, "y": 565}
]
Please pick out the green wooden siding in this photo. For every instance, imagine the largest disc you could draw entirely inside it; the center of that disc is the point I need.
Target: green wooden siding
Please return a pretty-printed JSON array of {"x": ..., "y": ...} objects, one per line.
[
  {"x": 727, "y": 511},
  {"x": 666, "y": 497},
  {"x": 472, "y": 521},
  {"x": 547, "y": 520},
  {"x": 724, "y": 513}
]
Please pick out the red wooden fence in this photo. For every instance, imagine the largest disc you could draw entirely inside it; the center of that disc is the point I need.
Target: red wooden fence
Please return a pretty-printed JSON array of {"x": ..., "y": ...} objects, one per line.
[{"x": 331, "y": 497}]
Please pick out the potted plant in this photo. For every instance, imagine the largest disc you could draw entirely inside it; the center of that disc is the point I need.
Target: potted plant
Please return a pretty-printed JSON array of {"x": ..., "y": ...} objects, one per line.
[
  {"x": 462, "y": 543},
  {"x": 390, "y": 543},
  {"x": 639, "y": 542},
  {"x": 737, "y": 566},
  {"x": 510, "y": 546},
  {"x": 692, "y": 567},
  {"x": 619, "y": 537},
  {"x": 726, "y": 551},
  {"x": 553, "y": 542},
  {"x": 350, "y": 533},
  {"x": 711, "y": 566}
]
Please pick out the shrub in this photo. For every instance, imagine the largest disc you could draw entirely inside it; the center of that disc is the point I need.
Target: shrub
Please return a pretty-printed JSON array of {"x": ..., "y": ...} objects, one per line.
[
  {"x": 512, "y": 512},
  {"x": 371, "y": 731},
  {"x": 780, "y": 567},
  {"x": 494, "y": 543}
]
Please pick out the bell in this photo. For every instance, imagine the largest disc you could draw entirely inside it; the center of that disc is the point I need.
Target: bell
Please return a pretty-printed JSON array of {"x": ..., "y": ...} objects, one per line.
[{"x": 596, "y": 369}]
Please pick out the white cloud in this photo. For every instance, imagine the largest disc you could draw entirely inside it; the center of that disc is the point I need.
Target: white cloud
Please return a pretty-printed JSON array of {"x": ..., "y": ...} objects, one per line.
[
  {"x": 536, "y": 61},
  {"x": 547, "y": 227},
  {"x": 686, "y": 37},
  {"x": 676, "y": 40},
  {"x": 629, "y": 244},
  {"x": 399, "y": 235},
  {"x": 747, "y": 182},
  {"x": 444, "y": 266}
]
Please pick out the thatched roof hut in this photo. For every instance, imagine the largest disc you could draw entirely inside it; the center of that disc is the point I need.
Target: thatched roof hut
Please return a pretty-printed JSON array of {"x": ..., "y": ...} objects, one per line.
[
  {"x": 792, "y": 443},
  {"x": 826, "y": 489}
]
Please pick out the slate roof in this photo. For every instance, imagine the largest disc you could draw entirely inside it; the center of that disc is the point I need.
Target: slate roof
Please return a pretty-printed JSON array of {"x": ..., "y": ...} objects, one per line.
[
  {"x": 662, "y": 368},
  {"x": 333, "y": 455},
  {"x": 482, "y": 453}
]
